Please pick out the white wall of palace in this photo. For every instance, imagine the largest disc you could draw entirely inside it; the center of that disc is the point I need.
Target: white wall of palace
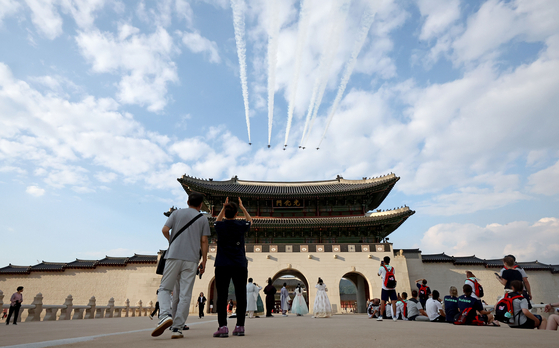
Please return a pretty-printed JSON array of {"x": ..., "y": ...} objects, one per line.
[{"x": 139, "y": 282}]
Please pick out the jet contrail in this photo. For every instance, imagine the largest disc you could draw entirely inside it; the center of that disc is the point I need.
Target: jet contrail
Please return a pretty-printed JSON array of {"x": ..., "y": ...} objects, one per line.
[
  {"x": 273, "y": 34},
  {"x": 326, "y": 63},
  {"x": 304, "y": 19},
  {"x": 366, "y": 23},
  {"x": 239, "y": 24}
]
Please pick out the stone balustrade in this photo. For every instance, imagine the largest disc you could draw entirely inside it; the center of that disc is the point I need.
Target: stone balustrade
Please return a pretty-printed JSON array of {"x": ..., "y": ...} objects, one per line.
[{"x": 70, "y": 311}]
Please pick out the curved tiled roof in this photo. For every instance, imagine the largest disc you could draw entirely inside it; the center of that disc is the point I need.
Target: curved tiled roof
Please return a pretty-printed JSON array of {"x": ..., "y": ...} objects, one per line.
[
  {"x": 245, "y": 188},
  {"x": 113, "y": 261},
  {"x": 386, "y": 217},
  {"x": 468, "y": 260},
  {"x": 12, "y": 269},
  {"x": 82, "y": 264},
  {"x": 442, "y": 257},
  {"x": 494, "y": 263},
  {"x": 49, "y": 267},
  {"x": 533, "y": 265},
  {"x": 143, "y": 259}
]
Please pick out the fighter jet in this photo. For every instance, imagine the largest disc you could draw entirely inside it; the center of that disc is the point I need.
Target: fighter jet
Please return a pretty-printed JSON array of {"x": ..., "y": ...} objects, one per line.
[
  {"x": 250, "y": 143},
  {"x": 268, "y": 146},
  {"x": 317, "y": 148}
]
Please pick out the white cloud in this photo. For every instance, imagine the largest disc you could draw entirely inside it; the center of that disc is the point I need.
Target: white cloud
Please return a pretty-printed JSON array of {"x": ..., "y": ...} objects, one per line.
[
  {"x": 35, "y": 191},
  {"x": 495, "y": 240},
  {"x": 546, "y": 181},
  {"x": 198, "y": 44},
  {"x": 439, "y": 15},
  {"x": 46, "y": 18},
  {"x": 145, "y": 61},
  {"x": 106, "y": 177},
  {"x": 8, "y": 8}
]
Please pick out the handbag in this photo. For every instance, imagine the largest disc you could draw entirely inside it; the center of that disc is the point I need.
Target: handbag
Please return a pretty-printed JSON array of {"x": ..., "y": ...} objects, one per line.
[{"x": 162, "y": 260}]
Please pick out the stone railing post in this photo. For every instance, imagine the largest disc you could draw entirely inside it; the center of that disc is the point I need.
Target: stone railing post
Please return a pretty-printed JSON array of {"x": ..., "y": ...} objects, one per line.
[
  {"x": 1, "y": 299},
  {"x": 35, "y": 313},
  {"x": 140, "y": 308},
  {"x": 151, "y": 308},
  {"x": 90, "y": 312},
  {"x": 110, "y": 311},
  {"x": 127, "y": 309},
  {"x": 66, "y": 313}
]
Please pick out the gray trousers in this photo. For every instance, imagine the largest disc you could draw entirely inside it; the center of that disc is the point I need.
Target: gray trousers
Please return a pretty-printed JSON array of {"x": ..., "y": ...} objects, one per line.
[{"x": 180, "y": 274}]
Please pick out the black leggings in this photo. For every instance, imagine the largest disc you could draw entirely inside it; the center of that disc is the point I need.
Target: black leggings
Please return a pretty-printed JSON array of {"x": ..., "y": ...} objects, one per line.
[
  {"x": 15, "y": 311},
  {"x": 223, "y": 276}
]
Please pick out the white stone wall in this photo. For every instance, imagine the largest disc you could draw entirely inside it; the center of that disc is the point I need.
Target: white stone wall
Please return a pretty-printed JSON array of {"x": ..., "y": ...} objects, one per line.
[{"x": 139, "y": 282}]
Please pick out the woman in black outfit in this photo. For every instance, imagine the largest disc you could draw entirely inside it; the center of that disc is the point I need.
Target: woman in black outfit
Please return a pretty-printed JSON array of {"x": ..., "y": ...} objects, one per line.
[
  {"x": 231, "y": 264},
  {"x": 270, "y": 292}
]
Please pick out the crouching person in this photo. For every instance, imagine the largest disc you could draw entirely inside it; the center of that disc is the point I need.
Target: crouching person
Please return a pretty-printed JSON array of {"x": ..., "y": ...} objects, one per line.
[{"x": 523, "y": 318}]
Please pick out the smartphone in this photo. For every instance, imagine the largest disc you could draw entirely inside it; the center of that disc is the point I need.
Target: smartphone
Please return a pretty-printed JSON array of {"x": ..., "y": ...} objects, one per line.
[
  {"x": 382, "y": 263},
  {"x": 497, "y": 274}
]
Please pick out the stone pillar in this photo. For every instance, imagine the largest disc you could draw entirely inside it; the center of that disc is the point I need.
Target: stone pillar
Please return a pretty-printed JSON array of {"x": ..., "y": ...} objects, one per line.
[
  {"x": 35, "y": 313},
  {"x": 1, "y": 299},
  {"x": 110, "y": 311},
  {"x": 127, "y": 309},
  {"x": 361, "y": 296},
  {"x": 66, "y": 313},
  {"x": 90, "y": 313},
  {"x": 140, "y": 308},
  {"x": 151, "y": 308}
]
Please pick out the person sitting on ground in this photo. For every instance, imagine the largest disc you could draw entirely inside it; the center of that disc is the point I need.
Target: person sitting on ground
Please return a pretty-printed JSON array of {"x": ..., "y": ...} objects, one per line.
[
  {"x": 523, "y": 318},
  {"x": 434, "y": 308},
  {"x": 424, "y": 291},
  {"x": 414, "y": 307},
  {"x": 553, "y": 319},
  {"x": 373, "y": 310},
  {"x": 451, "y": 305},
  {"x": 401, "y": 306},
  {"x": 478, "y": 313}
]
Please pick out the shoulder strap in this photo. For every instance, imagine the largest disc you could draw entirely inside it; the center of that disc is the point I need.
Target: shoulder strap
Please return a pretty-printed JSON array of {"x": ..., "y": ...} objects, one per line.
[{"x": 185, "y": 227}]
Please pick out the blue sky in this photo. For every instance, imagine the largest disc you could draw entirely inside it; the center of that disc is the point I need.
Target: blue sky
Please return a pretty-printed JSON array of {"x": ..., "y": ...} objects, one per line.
[{"x": 103, "y": 104}]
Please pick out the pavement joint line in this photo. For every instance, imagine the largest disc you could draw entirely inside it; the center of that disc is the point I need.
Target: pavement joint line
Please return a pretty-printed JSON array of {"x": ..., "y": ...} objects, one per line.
[{"x": 64, "y": 341}]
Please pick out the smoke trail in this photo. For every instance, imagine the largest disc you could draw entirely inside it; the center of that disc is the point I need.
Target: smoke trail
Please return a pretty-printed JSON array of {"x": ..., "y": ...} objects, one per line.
[
  {"x": 239, "y": 24},
  {"x": 273, "y": 34},
  {"x": 326, "y": 63},
  {"x": 366, "y": 23},
  {"x": 304, "y": 19}
]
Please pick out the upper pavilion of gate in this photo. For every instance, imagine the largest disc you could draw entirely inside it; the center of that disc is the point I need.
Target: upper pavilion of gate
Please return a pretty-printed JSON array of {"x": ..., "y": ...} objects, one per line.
[{"x": 330, "y": 211}]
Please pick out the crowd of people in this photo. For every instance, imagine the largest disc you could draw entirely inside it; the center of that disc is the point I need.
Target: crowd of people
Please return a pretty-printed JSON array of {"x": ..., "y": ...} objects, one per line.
[{"x": 469, "y": 308}]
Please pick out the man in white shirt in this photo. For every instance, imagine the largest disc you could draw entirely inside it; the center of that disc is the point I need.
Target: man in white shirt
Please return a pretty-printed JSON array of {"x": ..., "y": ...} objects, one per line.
[
  {"x": 415, "y": 310},
  {"x": 434, "y": 308},
  {"x": 387, "y": 272}
]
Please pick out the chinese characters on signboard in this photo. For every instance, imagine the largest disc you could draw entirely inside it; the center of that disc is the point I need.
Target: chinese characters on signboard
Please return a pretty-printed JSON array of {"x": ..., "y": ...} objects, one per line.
[{"x": 288, "y": 203}]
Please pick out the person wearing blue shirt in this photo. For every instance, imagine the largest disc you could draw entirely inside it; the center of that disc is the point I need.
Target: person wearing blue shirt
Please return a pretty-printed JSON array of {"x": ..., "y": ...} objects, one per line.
[
  {"x": 467, "y": 301},
  {"x": 451, "y": 305}
]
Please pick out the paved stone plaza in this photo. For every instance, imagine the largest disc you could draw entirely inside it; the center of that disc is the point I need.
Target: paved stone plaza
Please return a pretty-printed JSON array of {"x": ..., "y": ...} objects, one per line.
[{"x": 339, "y": 331}]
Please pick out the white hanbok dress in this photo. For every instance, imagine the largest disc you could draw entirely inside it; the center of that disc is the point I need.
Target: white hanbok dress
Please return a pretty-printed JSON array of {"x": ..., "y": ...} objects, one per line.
[
  {"x": 322, "y": 307},
  {"x": 284, "y": 297},
  {"x": 299, "y": 305},
  {"x": 252, "y": 296}
]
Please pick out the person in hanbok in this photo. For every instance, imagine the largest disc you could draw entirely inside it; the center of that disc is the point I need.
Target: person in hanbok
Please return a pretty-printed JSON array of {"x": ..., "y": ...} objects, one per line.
[
  {"x": 259, "y": 306},
  {"x": 284, "y": 297},
  {"x": 299, "y": 305},
  {"x": 322, "y": 307},
  {"x": 270, "y": 292},
  {"x": 252, "y": 297}
]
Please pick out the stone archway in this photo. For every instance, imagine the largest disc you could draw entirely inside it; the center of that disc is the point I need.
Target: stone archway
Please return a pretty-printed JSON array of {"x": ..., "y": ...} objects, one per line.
[
  {"x": 363, "y": 290},
  {"x": 296, "y": 274}
]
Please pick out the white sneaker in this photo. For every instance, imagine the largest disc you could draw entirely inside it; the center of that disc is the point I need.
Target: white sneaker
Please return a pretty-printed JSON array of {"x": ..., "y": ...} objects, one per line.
[
  {"x": 379, "y": 318},
  {"x": 395, "y": 319}
]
